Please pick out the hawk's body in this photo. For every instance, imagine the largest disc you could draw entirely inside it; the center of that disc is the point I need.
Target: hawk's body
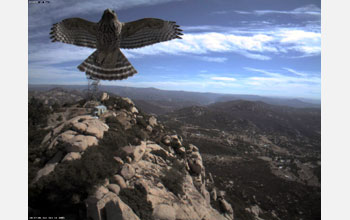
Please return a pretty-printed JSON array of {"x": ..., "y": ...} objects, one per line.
[{"x": 108, "y": 36}]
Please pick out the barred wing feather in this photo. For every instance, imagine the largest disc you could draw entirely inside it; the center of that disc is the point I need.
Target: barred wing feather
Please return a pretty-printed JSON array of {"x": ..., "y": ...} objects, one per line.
[
  {"x": 75, "y": 31},
  {"x": 148, "y": 31}
]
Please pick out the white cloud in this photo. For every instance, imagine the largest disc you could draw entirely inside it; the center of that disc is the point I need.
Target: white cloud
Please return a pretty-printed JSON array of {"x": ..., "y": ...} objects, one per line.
[
  {"x": 222, "y": 12},
  {"x": 296, "y": 72},
  {"x": 243, "y": 12},
  {"x": 204, "y": 43},
  {"x": 301, "y": 41},
  {"x": 223, "y": 78},
  {"x": 56, "y": 53},
  {"x": 255, "y": 44},
  {"x": 43, "y": 15},
  {"x": 310, "y": 10},
  {"x": 213, "y": 59},
  {"x": 272, "y": 82},
  {"x": 273, "y": 78}
]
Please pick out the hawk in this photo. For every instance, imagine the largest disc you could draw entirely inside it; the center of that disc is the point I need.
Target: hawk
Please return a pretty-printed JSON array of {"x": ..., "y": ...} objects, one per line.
[{"x": 108, "y": 35}]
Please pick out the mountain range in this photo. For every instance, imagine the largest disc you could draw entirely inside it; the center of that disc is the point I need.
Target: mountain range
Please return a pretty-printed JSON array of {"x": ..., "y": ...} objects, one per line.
[{"x": 162, "y": 101}]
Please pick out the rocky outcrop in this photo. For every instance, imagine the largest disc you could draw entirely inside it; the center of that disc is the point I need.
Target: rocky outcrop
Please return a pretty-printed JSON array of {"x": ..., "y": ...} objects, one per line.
[
  {"x": 71, "y": 156},
  {"x": 124, "y": 119},
  {"x": 167, "y": 176},
  {"x": 110, "y": 207},
  {"x": 255, "y": 210},
  {"x": 146, "y": 173},
  {"x": 77, "y": 142},
  {"x": 127, "y": 171},
  {"x": 226, "y": 207},
  {"x": 119, "y": 180},
  {"x": 164, "y": 212},
  {"x": 77, "y": 134},
  {"x": 91, "y": 126},
  {"x": 152, "y": 121},
  {"x": 104, "y": 96},
  {"x": 114, "y": 188},
  {"x": 49, "y": 167},
  {"x": 100, "y": 192},
  {"x": 135, "y": 152}
]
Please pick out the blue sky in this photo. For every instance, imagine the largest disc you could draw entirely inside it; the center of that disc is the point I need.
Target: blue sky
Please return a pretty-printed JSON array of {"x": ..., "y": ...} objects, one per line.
[{"x": 262, "y": 47}]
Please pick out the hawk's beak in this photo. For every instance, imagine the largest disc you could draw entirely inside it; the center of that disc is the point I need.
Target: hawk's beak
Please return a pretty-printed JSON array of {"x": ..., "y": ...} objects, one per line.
[{"x": 108, "y": 11}]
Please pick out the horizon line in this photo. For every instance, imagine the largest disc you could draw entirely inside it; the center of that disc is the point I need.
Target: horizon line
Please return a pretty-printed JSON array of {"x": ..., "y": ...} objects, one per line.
[{"x": 268, "y": 96}]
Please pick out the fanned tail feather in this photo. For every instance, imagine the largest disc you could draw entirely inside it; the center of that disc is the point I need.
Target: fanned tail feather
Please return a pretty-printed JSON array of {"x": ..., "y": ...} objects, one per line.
[{"x": 111, "y": 65}]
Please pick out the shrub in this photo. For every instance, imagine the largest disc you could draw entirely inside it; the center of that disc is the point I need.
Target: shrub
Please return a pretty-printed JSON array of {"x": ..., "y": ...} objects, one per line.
[
  {"x": 60, "y": 118},
  {"x": 118, "y": 101},
  {"x": 53, "y": 193},
  {"x": 160, "y": 153},
  {"x": 136, "y": 199},
  {"x": 37, "y": 118},
  {"x": 174, "y": 177},
  {"x": 37, "y": 113},
  {"x": 141, "y": 121},
  {"x": 55, "y": 106}
]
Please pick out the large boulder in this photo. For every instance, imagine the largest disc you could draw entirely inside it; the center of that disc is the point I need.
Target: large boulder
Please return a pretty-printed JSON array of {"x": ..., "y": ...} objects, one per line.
[
  {"x": 118, "y": 160},
  {"x": 80, "y": 143},
  {"x": 195, "y": 162},
  {"x": 175, "y": 141},
  {"x": 255, "y": 210},
  {"x": 166, "y": 140},
  {"x": 71, "y": 156},
  {"x": 127, "y": 171},
  {"x": 196, "y": 166},
  {"x": 225, "y": 206},
  {"x": 46, "y": 170},
  {"x": 128, "y": 101},
  {"x": 139, "y": 151},
  {"x": 104, "y": 96},
  {"x": 205, "y": 193},
  {"x": 193, "y": 148},
  {"x": 119, "y": 180},
  {"x": 213, "y": 194},
  {"x": 110, "y": 207},
  {"x": 77, "y": 142},
  {"x": 153, "y": 146},
  {"x": 134, "y": 110},
  {"x": 135, "y": 152},
  {"x": 124, "y": 119},
  {"x": 67, "y": 136},
  {"x": 114, "y": 188},
  {"x": 164, "y": 212},
  {"x": 90, "y": 125},
  {"x": 100, "y": 191},
  {"x": 96, "y": 128},
  {"x": 152, "y": 121}
]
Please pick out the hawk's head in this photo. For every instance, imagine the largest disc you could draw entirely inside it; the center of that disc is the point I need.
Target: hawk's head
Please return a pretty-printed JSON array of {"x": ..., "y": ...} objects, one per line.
[{"x": 108, "y": 15}]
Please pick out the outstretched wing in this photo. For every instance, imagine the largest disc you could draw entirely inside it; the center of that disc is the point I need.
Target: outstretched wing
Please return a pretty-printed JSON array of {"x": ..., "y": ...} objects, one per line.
[
  {"x": 148, "y": 31},
  {"x": 75, "y": 31}
]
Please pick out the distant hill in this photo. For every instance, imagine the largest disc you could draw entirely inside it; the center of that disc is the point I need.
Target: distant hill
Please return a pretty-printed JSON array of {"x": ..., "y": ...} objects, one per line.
[
  {"x": 167, "y": 101},
  {"x": 288, "y": 127},
  {"x": 238, "y": 115}
]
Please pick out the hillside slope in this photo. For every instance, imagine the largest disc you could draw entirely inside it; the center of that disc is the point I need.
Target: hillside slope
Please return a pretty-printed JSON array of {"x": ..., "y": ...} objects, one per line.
[{"x": 266, "y": 157}]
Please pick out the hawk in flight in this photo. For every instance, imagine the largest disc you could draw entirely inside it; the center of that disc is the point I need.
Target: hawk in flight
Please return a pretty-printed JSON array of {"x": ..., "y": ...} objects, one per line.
[{"x": 108, "y": 35}]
